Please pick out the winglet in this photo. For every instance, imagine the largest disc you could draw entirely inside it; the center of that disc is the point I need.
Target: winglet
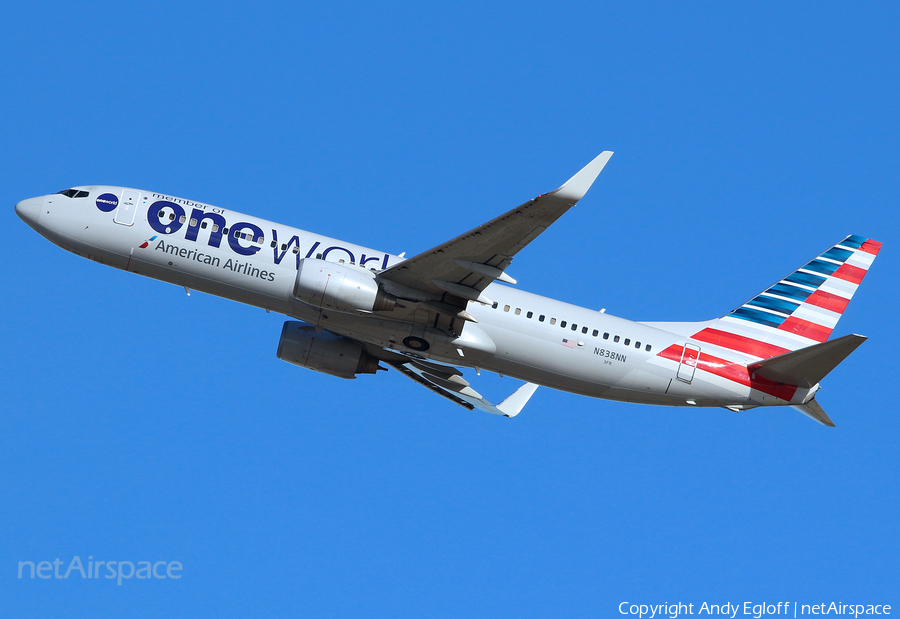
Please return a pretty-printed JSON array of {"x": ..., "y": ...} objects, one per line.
[
  {"x": 575, "y": 188},
  {"x": 513, "y": 405}
]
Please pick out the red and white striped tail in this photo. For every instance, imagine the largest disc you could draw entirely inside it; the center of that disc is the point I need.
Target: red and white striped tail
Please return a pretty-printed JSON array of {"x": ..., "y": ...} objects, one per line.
[{"x": 800, "y": 310}]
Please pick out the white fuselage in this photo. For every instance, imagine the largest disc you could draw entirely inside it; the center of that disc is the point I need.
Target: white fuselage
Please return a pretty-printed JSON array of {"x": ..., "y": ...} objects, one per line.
[{"x": 523, "y": 335}]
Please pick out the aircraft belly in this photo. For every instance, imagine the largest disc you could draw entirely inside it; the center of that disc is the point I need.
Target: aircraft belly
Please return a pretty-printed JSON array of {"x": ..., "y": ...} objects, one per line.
[{"x": 567, "y": 366}]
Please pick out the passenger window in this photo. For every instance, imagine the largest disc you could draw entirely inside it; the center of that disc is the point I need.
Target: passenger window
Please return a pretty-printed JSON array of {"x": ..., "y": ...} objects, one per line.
[
  {"x": 296, "y": 250},
  {"x": 193, "y": 222},
  {"x": 529, "y": 314},
  {"x": 171, "y": 216},
  {"x": 161, "y": 214},
  {"x": 224, "y": 230},
  {"x": 204, "y": 224},
  {"x": 182, "y": 219},
  {"x": 215, "y": 228},
  {"x": 574, "y": 327},
  {"x": 606, "y": 336},
  {"x": 647, "y": 347},
  {"x": 616, "y": 339},
  {"x": 584, "y": 329},
  {"x": 627, "y": 341},
  {"x": 274, "y": 244},
  {"x": 495, "y": 305},
  {"x": 283, "y": 246},
  {"x": 563, "y": 324},
  {"x": 505, "y": 308},
  {"x": 595, "y": 333},
  {"x": 637, "y": 344},
  {"x": 541, "y": 318},
  {"x": 518, "y": 311},
  {"x": 553, "y": 321}
]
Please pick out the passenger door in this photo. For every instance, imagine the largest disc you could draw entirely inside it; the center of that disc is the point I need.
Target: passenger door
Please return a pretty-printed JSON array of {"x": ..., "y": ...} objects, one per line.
[{"x": 127, "y": 207}]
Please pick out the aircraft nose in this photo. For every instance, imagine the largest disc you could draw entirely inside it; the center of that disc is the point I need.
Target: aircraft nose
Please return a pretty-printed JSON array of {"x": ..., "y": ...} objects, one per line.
[{"x": 29, "y": 210}]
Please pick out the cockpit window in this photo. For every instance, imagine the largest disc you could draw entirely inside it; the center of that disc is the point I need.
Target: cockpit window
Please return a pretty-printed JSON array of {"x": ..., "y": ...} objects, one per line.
[{"x": 74, "y": 193}]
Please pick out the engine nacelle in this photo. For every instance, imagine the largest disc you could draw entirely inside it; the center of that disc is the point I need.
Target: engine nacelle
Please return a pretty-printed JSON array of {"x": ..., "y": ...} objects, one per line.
[
  {"x": 301, "y": 345},
  {"x": 341, "y": 288}
]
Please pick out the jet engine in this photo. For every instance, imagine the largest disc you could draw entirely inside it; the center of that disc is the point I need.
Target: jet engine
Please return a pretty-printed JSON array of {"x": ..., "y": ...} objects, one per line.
[
  {"x": 340, "y": 287},
  {"x": 302, "y": 345}
]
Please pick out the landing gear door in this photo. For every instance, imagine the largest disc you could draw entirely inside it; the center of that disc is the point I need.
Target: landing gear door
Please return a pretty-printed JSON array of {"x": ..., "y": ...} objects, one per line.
[
  {"x": 688, "y": 365},
  {"x": 127, "y": 206}
]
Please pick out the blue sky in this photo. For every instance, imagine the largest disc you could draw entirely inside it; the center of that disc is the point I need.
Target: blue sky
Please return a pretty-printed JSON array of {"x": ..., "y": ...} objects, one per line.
[{"x": 144, "y": 425}]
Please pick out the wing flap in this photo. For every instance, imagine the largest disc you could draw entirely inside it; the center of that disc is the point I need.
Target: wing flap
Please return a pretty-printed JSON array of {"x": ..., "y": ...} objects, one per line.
[{"x": 447, "y": 382}]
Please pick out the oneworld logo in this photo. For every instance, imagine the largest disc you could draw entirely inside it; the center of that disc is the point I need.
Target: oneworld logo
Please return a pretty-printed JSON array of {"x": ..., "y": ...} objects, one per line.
[
  {"x": 107, "y": 202},
  {"x": 167, "y": 217}
]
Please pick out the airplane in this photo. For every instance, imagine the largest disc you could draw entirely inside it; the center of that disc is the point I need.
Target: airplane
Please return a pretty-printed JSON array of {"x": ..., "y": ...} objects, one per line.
[{"x": 454, "y": 306}]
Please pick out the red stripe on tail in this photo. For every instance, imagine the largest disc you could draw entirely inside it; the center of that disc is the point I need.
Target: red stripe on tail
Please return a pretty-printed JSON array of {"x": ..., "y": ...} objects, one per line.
[
  {"x": 871, "y": 247},
  {"x": 828, "y": 301},
  {"x": 806, "y": 329},
  {"x": 850, "y": 273}
]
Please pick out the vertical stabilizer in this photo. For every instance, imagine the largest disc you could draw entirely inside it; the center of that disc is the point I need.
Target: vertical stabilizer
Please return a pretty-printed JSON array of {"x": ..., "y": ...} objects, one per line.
[{"x": 800, "y": 310}]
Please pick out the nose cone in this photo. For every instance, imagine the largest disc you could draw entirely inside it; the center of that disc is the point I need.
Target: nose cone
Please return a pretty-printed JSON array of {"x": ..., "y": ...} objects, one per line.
[{"x": 29, "y": 210}]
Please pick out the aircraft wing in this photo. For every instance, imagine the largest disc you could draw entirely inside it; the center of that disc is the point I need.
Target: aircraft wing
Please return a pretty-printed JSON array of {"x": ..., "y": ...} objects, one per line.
[
  {"x": 460, "y": 269},
  {"x": 448, "y": 382}
]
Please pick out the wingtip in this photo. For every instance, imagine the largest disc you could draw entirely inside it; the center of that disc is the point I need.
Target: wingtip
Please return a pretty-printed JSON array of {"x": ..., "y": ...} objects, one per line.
[
  {"x": 575, "y": 188},
  {"x": 513, "y": 405}
]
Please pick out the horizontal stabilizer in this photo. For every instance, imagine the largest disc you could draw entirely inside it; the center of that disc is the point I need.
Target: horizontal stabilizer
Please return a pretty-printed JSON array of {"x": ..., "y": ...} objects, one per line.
[
  {"x": 807, "y": 366},
  {"x": 812, "y": 409}
]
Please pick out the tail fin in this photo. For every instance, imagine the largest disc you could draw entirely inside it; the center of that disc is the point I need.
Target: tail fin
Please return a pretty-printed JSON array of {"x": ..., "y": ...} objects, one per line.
[{"x": 800, "y": 310}]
